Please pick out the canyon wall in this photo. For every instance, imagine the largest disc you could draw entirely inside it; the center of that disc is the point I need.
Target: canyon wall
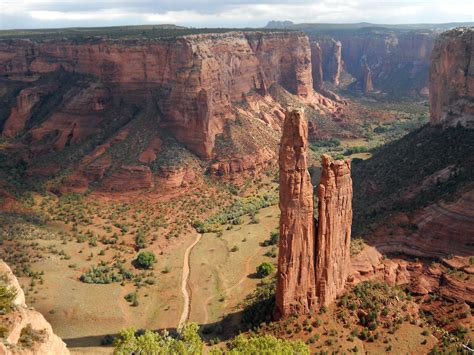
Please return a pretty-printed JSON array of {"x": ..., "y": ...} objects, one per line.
[
  {"x": 312, "y": 266},
  {"x": 397, "y": 61},
  {"x": 331, "y": 59},
  {"x": 194, "y": 78},
  {"x": 452, "y": 79},
  {"x": 22, "y": 317},
  {"x": 296, "y": 274}
]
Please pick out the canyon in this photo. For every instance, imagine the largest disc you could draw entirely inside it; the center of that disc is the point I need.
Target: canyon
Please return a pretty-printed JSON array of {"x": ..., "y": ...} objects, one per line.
[
  {"x": 439, "y": 230},
  {"x": 395, "y": 59},
  {"x": 115, "y": 146},
  {"x": 86, "y": 100}
]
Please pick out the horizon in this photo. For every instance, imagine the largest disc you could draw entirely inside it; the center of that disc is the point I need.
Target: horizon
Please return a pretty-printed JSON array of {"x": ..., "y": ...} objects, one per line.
[{"x": 52, "y": 14}]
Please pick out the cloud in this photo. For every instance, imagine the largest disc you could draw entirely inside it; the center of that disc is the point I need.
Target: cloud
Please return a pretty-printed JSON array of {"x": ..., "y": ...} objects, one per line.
[{"x": 234, "y": 13}]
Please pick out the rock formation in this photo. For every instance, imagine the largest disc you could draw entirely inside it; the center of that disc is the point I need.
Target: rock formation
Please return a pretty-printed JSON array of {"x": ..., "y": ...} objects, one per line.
[
  {"x": 398, "y": 60},
  {"x": 317, "y": 69},
  {"x": 194, "y": 78},
  {"x": 296, "y": 291},
  {"x": 312, "y": 268},
  {"x": 452, "y": 79},
  {"x": 367, "y": 79},
  {"x": 334, "y": 229},
  {"x": 332, "y": 59},
  {"x": 22, "y": 317}
]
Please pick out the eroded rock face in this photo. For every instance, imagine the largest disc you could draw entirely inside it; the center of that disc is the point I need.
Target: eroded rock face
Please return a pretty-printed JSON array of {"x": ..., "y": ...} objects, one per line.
[
  {"x": 334, "y": 229},
  {"x": 296, "y": 291},
  {"x": 452, "y": 79},
  {"x": 398, "y": 60},
  {"x": 367, "y": 79},
  {"x": 332, "y": 59},
  {"x": 21, "y": 112},
  {"x": 312, "y": 268},
  {"x": 195, "y": 78},
  {"x": 22, "y": 316},
  {"x": 317, "y": 62}
]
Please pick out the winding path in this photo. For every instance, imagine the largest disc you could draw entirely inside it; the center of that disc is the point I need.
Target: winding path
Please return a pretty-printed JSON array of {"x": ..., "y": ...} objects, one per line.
[{"x": 184, "y": 283}]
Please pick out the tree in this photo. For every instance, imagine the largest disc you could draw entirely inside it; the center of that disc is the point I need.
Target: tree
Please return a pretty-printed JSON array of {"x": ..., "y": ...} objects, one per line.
[
  {"x": 146, "y": 259},
  {"x": 264, "y": 269},
  {"x": 267, "y": 344},
  {"x": 150, "y": 343}
]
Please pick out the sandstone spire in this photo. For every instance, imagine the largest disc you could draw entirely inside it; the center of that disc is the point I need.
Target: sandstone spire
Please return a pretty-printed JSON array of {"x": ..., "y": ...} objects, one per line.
[
  {"x": 317, "y": 69},
  {"x": 334, "y": 229},
  {"x": 296, "y": 277},
  {"x": 367, "y": 83}
]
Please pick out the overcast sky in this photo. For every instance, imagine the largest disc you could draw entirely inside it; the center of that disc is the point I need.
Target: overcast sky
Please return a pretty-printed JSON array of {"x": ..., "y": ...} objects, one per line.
[{"x": 222, "y": 13}]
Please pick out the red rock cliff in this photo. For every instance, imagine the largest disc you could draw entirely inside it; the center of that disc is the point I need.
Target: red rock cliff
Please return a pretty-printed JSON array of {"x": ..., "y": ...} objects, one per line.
[
  {"x": 452, "y": 79},
  {"x": 195, "y": 77},
  {"x": 332, "y": 59},
  {"x": 398, "y": 59},
  {"x": 334, "y": 229},
  {"x": 296, "y": 275}
]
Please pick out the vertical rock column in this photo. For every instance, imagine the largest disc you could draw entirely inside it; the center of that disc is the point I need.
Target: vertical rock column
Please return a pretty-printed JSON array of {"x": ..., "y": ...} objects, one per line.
[
  {"x": 367, "y": 79},
  {"x": 296, "y": 275},
  {"x": 334, "y": 229},
  {"x": 317, "y": 66}
]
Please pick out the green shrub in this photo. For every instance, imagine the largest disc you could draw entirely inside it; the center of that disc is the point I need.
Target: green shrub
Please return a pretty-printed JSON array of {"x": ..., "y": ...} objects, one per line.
[
  {"x": 30, "y": 336},
  {"x": 146, "y": 259},
  {"x": 7, "y": 295},
  {"x": 265, "y": 269},
  {"x": 187, "y": 342},
  {"x": 266, "y": 344}
]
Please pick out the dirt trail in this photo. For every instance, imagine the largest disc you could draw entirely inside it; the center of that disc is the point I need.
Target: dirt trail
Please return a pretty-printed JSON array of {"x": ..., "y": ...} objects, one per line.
[{"x": 184, "y": 283}]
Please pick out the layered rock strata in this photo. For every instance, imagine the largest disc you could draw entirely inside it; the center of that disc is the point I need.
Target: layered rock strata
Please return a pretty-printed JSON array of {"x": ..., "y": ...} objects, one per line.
[
  {"x": 20, "y": 318},
  {"x": 334, "y": 229},
  {"x": 195, "y": 78},
  {"x": 296, "y": 292},
  {"x": 312, "y": 267},
  {"x": 452, "y": 79}
]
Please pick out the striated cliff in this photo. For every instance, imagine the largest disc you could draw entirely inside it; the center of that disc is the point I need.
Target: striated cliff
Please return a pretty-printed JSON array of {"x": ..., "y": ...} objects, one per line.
[
  {"x": 25, "y": 331},
  {"x": 196, "y": 77},
  {"x": 120, "y": 114},
  {"x": 452, "y": 79},
  {"x": 331, "y": 59},
  {"x": 295, "y": 292},
  {"x": 396, "y": 60},
  {"x": 313, "y": 266}
]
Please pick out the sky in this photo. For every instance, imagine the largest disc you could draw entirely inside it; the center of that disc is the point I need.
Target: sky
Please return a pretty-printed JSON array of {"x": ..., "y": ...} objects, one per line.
[{"x": 16, "y": 14}]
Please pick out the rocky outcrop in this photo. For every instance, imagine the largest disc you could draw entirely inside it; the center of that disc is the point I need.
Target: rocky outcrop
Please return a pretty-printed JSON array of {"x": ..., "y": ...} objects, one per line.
[
  {"x": 296, "y": 292},
  {"x": 194, "y": 78},
  {"x": 244, "y": 163},
  {"x": 367, "y": 79},
  {"x": 334, "y": 229},
  {"x": 21, "y": 112},
  {"x": 22, "y": 318},
  {"x": 419, "y": 277},
  {"x": 312, "y": 268},
  {"x": 332, "y": 59},
  {"x": 317, "y": 66},
  {"x": 129, "y": 178},
  {"x": 452, "y": 79}
]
